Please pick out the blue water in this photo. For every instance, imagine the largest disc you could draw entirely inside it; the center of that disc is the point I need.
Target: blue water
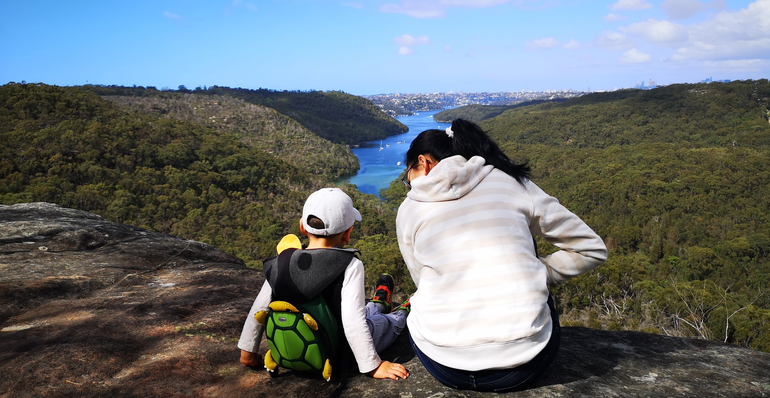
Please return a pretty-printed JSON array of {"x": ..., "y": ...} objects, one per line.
[{"x": 380, "y": 167}]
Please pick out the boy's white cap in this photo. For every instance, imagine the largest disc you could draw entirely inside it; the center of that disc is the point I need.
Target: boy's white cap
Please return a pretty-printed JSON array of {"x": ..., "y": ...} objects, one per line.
[{"x": 333, "y": 207}]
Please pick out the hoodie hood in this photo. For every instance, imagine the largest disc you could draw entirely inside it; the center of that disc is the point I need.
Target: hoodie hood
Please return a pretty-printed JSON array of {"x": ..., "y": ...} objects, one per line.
[
  {"x": 452, "y": 178},
  {"x": 299, "y": 275}
]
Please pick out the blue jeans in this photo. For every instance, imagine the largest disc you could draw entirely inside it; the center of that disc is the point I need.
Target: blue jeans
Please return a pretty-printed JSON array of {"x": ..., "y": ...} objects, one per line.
[
  {"x": 497, "y": 380},
  {"x": 384, "y": 328}
]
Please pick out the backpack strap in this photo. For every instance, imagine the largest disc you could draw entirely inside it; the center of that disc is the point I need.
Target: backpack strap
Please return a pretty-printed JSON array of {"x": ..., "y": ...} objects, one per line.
[{"x": 343, "y": 358}]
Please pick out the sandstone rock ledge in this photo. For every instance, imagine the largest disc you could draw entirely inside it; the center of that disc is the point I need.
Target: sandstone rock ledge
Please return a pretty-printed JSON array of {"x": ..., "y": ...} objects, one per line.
[{"x": 93, "y": 308}]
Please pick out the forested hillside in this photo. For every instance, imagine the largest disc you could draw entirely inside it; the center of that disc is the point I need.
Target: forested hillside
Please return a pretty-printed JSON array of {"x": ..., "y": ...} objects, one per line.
[
  {"x": 336, "y": 116},
  {"x": 71, "y": 147},
  {"x": 477, "y": 113},
  {"x": 689, "y": 115},
  {"x": 256, "y": 125}
]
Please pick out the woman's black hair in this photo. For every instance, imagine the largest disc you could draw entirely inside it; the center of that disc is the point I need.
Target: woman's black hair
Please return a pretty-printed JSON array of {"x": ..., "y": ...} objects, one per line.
[{"x": 468, "y": 140}]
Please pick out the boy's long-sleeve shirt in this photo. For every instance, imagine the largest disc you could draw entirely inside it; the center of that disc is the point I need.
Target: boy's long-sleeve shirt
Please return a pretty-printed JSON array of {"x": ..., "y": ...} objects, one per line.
[
  {"x": 465, "y": 232},
  {"x": 353, "y": 319}
]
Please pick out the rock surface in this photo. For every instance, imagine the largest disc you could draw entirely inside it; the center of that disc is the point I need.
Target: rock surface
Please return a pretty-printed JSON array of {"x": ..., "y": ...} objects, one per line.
[{"x": 93, "y": 308}]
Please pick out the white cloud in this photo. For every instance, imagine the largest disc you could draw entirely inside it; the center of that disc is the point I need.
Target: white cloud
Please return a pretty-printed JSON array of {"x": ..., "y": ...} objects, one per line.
[
  {"x": 447, "y": 48},
  {"x": 659, "y": 32},
  {"x": 738, "y": 35},
  {"x": 612, "y": 17},
  {"x": 406, "y": 42},
  {"x": 631, "y": 5},
  {"x": 614, "y": 41},
  {"x": 572, "y": 45},
  {"x": 633, "y": 56},
  {"x": 409, "y": 40},
  {"x": 683, "y": 9},
  {"x": 546, "y": 42},
  {"x": 435, "y": 8},
  {"x": 173, "y": 17}
]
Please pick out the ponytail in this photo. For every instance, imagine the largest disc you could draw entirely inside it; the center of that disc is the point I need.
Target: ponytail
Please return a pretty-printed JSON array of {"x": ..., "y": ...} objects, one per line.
[
  {"x": 470, "y": 140},
  {"x": 467, "y": 139}
]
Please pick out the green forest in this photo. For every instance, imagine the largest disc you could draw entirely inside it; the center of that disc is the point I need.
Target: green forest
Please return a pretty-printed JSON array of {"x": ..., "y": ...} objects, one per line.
[{"x": 674, "y": 179}]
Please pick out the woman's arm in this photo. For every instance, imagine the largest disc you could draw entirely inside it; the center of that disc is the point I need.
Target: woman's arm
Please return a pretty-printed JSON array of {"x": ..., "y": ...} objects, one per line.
[{"x": 581, "y": 248}]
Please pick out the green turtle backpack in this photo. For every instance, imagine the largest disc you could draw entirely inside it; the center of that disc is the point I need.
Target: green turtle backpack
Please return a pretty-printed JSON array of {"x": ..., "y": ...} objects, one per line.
[
  {"x": 300, "y": 339},
  {"x": 302, "y": 331}
]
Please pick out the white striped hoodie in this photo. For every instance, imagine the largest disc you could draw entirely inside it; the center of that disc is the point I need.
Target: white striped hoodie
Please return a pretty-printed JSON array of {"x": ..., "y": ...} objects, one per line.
[{"x": 465, "y": 232}]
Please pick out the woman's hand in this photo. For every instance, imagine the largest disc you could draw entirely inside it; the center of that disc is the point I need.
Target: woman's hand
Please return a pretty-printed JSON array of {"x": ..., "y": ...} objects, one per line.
[
  {"x": 389, "y": 370},
  {"x": 251, "y": 359}
]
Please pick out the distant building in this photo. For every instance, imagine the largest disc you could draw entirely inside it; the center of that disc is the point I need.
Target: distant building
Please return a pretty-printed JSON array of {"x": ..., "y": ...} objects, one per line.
[
  {"x": 710, "y": 80},
  {"x": 649, "y": 86}
]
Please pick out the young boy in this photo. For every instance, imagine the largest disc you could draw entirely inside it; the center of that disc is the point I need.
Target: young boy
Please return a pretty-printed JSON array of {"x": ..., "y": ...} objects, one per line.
[{"x": 327, "y": 220}]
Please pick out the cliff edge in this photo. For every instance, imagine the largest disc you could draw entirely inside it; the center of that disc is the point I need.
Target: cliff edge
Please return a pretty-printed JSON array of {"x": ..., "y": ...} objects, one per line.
[{"x": 93, "y": 308}]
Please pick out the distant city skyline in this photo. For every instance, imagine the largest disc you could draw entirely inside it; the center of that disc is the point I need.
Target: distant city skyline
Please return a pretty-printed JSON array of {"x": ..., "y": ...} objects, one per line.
[
  {"x": 385, "y": 46},
  {"x": 399, "y": 104}
]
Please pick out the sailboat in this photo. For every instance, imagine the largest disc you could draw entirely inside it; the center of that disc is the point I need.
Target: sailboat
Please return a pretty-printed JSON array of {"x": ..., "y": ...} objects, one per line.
[{"x": 380, "y": 145}]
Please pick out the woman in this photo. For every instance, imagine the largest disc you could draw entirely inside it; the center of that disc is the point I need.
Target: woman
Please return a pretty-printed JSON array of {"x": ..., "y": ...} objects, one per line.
[{"x": 482, "y": 318}]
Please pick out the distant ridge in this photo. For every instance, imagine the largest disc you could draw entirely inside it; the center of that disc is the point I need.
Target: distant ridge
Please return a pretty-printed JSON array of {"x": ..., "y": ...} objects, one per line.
[
  {"x": 477, "y": 113},
  {"x": 701, "y": 114},
  {"x": 256, "y": 125},
  {"x": 339, "y": 117},
  {"x": 334, "y": 115}
]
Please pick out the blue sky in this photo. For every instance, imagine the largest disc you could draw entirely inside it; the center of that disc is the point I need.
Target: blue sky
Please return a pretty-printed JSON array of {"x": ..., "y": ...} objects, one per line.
[{"x": 387, "y": 46}]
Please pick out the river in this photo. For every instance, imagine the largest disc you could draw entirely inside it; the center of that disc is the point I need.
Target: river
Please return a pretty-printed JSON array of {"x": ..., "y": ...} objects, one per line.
[{"x": 379, "y": 167}]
